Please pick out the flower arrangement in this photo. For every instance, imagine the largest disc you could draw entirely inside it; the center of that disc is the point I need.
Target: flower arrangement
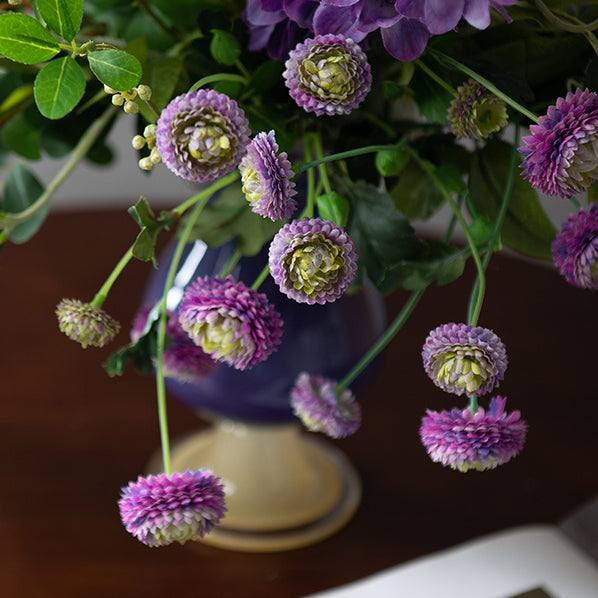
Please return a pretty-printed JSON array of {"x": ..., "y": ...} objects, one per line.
[{"x": 275, "y": 100}]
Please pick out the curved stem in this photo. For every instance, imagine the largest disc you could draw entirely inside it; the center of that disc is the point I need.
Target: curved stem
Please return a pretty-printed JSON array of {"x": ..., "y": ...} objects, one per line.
[
  {"x": 206, "y": 193},
  {"x": 350, "y": 154},
  {"x": 161, "y": 336},
  {"x": 381, "y": 343},
  {"x": 574, "y": 27},
  {"x": 487, "y": 84},
  {"x": 261, "y": 277},
  {"x": 218, "y": 77},
  {"x": 230, "y": 264},
  {"x": 101, "y": 295},
  {"x": 435, "y": 77},
  {"x": 9, "y": 221},
  {"x": 322, "y": 166},
  {"x": 470, "y": 240}
]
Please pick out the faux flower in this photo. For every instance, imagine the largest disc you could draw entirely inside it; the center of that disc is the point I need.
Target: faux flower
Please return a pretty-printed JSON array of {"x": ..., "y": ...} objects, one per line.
[
  {"x": 266, "y": 177},
  {"x": 575, "y": 248},
  {"x": 312, "y": 260},
  {"x": 183, "y": 360},
  {"x": 561, "y": 154},
  {"x": 86, "y": 323},
  {"x": 329, "y": 74},
  {"x": 202, "y": 135},
  {"x": 230, "y": 322},
  {"x": 482, "y": 440},
  {"x": 475, "y": 112},
  {"x": 462, "y": 358},
  {"x": 316, "y": 404},
  {"x": 159, "y": 509},
  {"x": 278, "y": 25}
]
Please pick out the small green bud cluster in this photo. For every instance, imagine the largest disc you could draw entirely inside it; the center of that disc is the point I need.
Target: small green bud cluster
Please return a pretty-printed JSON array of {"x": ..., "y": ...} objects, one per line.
[
  {"x": 148, "y": 138},
  {"x": 125, "y": 98}
]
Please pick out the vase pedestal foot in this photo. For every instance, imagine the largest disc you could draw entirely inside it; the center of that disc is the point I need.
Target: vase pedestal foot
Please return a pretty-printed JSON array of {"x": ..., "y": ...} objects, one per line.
[{"x": 284, "y": 488}]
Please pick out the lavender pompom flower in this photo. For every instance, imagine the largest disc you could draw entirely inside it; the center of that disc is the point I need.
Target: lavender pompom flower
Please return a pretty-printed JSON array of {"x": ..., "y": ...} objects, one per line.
[
  {"x": 315, "y": 402},
  {"x": 482, "y": 440},
  {"x": 329, "y": 74},
  {"x": 230, "y": 322},
  {"x": 266, "y": 177},
  {"x": 202, "y": 135},
  {"x": 183, "y": 360},
  {"x": 86, "y": 323},
  {"x": 312, "y": 260},
  {"x": 575, "y": 248},
  {"x": 159, "y": 509},
  {"x": 475, "y": 112},
  {"x": 561, "y": 154},
  {"x": 462, "y": 358}
]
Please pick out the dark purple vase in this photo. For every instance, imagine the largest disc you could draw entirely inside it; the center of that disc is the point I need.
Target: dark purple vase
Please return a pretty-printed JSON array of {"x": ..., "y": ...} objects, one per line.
[{"x": 320, "y": 339}]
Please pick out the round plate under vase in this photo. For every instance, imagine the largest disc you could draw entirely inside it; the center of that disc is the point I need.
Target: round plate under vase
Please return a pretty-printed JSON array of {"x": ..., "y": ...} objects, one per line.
[{"x": 285, "y": 488}]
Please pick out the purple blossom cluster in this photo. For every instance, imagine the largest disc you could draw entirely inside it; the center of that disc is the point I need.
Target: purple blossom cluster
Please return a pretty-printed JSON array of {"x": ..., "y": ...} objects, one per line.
[{"x": 404, "y": 25}]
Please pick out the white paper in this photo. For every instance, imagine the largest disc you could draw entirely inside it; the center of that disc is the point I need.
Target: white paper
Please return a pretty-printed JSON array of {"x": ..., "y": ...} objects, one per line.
[{"x": 501, "y": 565}]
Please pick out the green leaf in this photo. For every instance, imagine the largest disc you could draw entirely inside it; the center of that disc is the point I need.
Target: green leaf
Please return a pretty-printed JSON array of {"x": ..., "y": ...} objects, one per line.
[
  {"x": 526, "y": 229},
  {"x": 432, "y": 100},
  {"x": 332, "y": 206},
  {"x": 23, "y": 39},
  {"x": 266, "y": 76},
  {"x": 451, "y": 178},
  {"x": 59, "y": 87},
  {"x": 141, "y": 212},
  {"x": 415, "y": 194},
  {"x": 438, "y": 263},
  {"x": 21, "y": 190},
  {"x": 20, "y": 136},
  {"x": 381, "y": 234},
  {"x": 143, "y": 248},
  {"x": 391, "y": 163},
  {"x": 230, "y": 217},
  {"x": 115, "y": 68},
  {"x": 162, "y": 76},
  {"x": 62, "y": 16},
  {"x": 224, "y": 47}
]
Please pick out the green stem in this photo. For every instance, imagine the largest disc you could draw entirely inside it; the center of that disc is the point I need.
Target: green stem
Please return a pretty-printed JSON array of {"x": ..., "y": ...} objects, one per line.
[
  {"x": 381, "y": 343},
  {"x": 161, "y": 337},
  {"x": 9, "y": 221},
  {"x": 575, "y": 203},
  {"x": 489, "y": 86},
  {"x": 308, "y": 211},
  {"x": 575, "y": 27},
  {"x": 322, "y": 166},
  {"x": 504, "y": 205},
  {"x": 435, "y": 77},
  {"x": 261, "y": 277},
  {"x": 218, "y": 77},
  {"x": 350, "y": 154},
  {"x": 241, "y": 67},
  {"x": 429, "y": 169},
  {"x": 473, "y": 404},
  {"x": 231, "y": 263},
  {"x": 101, "y": 295},
  {"x": 206, "y": 193}
]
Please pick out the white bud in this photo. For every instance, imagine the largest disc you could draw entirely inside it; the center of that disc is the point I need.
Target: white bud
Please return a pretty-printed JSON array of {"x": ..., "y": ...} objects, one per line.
[
  {"x": 131, "y": 107},
  {"x": 145, "y": 92},
  {"x": 155, "y": 156},
  {"x": 138, "y": 142},
  {"x": 150, "y": 131},
  {"x": 117, "y": 99},
  {"x": 146, "y": 164},
  {"x": 109, "y": 89}
]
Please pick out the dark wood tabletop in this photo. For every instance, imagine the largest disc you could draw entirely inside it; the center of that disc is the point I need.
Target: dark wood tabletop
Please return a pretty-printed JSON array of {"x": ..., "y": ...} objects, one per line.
[{"x": 71, "y": 436}]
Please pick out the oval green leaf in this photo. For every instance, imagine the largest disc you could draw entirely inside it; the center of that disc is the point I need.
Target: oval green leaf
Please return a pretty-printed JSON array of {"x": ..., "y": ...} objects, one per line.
[
  {"x": 115, "y": 68},
  {"x": 62, "y": 16},
  {"x": 23, "y": 39},
  {"x": 58, "y": 87}
]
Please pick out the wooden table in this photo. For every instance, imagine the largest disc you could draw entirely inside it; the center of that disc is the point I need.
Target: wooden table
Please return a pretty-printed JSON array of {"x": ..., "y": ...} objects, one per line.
[{"x": 71, "y": 436}]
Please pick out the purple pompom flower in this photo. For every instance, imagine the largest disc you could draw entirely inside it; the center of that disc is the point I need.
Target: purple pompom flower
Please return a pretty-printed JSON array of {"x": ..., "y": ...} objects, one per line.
[
  {"x": 462, "y": 358},
  {"x": 230, "y": 322},
  {"x": 475, "y": 112},
  {"x": 312, "y": 260},
  {"x": 86, "y": 323},
  {"x": 316, "y": 404},
  {"x": 202, "y": 135},
  {"x": 575, "y": 248},
  {"x": 329, "y": 74},
  {"x": 183, "y": 360},
  {"x": 561, "y": 154},
  {"x": 161, "y": 509},
  {"x": 482, "y": 440},
  {"x": 266, "y": 177}
]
